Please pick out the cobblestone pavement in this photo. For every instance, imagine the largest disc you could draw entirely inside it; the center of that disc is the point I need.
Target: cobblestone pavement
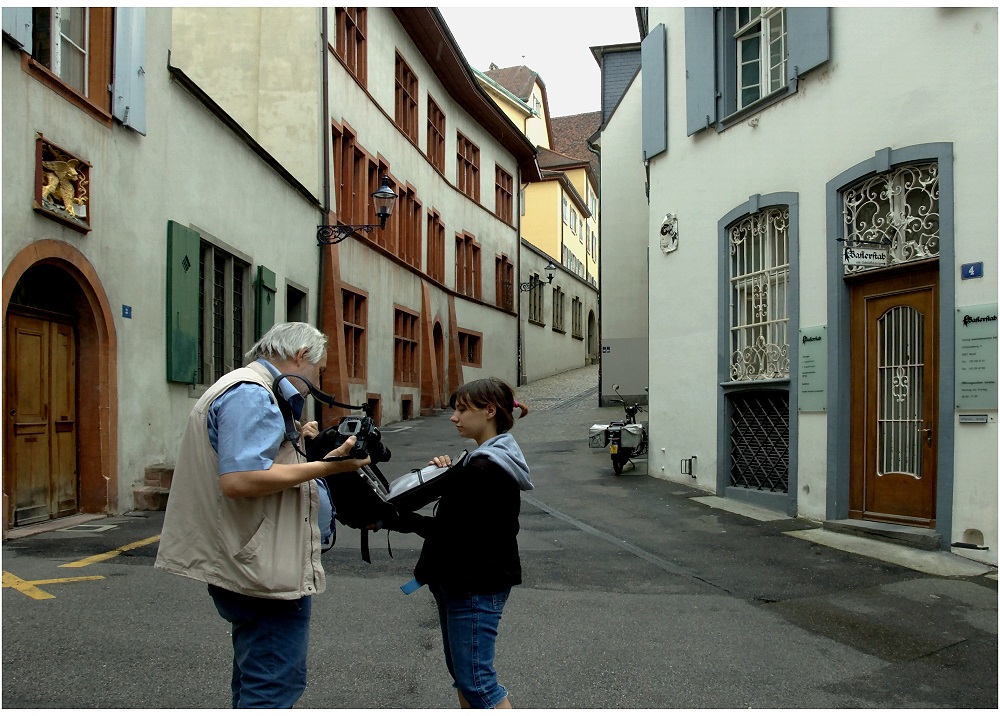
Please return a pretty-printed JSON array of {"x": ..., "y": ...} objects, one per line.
[{"x": 555, "y": 389}]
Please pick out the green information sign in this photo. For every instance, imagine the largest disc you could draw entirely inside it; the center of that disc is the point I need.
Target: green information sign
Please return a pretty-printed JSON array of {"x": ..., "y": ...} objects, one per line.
[
  {"x": 812, "y": 369},
  {"x": 976, "y": 357}
]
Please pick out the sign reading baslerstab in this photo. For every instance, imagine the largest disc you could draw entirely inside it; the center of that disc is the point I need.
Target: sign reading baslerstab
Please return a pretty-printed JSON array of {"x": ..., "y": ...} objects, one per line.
[
  {"x": 865, "y": 257},
  {"x": 976, "y": 357}
]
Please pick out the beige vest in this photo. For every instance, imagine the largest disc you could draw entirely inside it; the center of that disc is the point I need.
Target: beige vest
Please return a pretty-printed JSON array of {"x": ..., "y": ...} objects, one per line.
[{"x": 260, "y": 546}]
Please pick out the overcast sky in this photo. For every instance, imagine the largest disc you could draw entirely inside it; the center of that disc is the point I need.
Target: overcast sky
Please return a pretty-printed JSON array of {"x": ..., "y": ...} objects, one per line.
[{"x": 555, "y": 42}]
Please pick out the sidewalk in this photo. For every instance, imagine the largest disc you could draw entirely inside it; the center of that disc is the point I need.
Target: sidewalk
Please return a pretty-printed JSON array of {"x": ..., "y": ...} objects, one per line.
[{"x": 553, "y": 391}]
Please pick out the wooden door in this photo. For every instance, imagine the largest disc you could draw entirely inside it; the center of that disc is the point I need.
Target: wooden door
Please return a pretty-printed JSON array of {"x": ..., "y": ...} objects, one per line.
[
  {"x": 894, "y": 385},
  {"x": 40, "y": 443}
]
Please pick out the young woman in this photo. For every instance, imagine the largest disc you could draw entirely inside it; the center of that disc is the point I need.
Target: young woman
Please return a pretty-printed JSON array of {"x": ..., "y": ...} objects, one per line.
[{"x": 470, "y": 559}]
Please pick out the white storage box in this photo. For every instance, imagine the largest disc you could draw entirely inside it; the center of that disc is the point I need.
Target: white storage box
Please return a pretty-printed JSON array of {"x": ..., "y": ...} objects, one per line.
[
  {"x": 598, "y": 436},
  {"x": 631, "y": 435}
]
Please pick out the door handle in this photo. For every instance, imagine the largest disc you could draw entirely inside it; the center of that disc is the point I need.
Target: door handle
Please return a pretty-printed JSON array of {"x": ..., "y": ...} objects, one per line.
[{"x": 930, "y": 433}]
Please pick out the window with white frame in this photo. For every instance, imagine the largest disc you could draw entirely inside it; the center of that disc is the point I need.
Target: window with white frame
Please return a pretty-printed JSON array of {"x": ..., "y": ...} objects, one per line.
[
  {"x": 758, "y": 295},
  {"x": 760, "y": 52}
]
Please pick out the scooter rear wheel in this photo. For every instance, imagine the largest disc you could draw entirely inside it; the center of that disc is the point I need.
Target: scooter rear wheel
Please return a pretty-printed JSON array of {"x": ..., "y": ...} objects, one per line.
[{"x": 618, "y": 465}]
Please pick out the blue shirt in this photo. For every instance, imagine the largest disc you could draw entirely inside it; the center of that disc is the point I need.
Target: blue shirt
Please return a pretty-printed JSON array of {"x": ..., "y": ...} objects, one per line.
[{"x": 246, "y": 428}]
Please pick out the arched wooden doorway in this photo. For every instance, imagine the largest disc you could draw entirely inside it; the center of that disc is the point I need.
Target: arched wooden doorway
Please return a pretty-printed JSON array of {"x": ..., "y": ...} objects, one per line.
[{"x": 60, "y": 363}]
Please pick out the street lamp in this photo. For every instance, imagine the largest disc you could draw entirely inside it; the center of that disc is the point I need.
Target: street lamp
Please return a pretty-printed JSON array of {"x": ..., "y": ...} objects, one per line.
[
  {"x": 550, "y": 271},
  {"x": 385, "y": 200}
]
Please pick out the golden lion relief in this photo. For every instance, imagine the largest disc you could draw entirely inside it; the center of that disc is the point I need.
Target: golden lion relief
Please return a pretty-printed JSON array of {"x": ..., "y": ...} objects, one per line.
[{"x": 62, "y": 183}]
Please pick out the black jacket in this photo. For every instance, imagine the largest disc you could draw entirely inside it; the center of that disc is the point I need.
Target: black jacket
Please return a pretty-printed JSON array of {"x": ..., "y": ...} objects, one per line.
[{"x": 470, "y": 544}]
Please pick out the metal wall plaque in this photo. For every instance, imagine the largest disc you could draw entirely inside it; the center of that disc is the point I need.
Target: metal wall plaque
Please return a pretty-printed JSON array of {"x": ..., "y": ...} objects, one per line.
[
  {"x": 812, "y": 369},
  {"x": 976, "y": 357}
]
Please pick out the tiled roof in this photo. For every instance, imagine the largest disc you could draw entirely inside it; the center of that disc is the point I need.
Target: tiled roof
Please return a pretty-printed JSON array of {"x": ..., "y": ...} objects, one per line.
[
  {"x": 548, "y": 159},
  {"x": 570, "y": 135},
  {"x": 516, "y": 79}
]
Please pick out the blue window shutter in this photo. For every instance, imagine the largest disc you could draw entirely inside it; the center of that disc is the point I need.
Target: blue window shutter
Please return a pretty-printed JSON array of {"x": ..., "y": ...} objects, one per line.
[
  {"x": 808, "y": 38},
  {"x": 699, "y": 65},
  {"x": 183, "y": 256},
  {"x": 17, "y": 25},
  {"x": 654, "y": 92},
  {"x": 129, "y": 91},
  {"x": 267, "y": 289}
]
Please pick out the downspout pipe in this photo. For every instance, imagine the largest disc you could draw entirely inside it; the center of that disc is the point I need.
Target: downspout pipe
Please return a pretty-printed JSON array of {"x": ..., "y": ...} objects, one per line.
[{"x": 325, "y": 144}]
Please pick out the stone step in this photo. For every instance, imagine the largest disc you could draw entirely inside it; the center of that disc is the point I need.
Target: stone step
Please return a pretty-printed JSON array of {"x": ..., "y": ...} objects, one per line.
[
  {"x": 150, "y": 499},
  {"x": 159, "y": 475},
  {"x": 902, "y": 535}
]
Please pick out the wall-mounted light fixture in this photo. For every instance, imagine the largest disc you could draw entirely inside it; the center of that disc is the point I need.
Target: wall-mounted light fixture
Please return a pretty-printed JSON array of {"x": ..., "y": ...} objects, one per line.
[
  {"x": 550, "y": 272},
  {"x": 385, "y": 200}
]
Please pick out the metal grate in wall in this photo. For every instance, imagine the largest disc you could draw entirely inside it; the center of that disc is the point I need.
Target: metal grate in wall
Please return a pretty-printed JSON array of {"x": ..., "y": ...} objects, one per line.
[{"x": 758, "y": 436}]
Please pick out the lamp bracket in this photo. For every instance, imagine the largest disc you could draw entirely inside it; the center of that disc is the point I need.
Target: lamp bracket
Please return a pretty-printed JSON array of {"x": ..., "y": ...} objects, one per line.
[{"x": 334, "y": 234}]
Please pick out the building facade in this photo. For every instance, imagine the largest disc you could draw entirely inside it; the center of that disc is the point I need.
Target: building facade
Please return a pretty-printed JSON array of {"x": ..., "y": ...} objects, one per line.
[
  {"x": 146, "y": 239},
  {"x": 829, "y": 235},
  {"x": 559, "y": 224},
  {"x": 624, "y": 248},
  {"x": 166, "y": 181}
]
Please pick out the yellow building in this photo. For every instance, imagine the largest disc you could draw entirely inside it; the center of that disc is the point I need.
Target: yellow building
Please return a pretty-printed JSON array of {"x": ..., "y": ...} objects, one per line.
[{"x": 559, "y": 221}]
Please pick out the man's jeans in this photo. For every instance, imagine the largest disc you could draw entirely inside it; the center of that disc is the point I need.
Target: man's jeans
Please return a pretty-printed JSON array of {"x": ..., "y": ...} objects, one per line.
[{"x": 270, "y": 641}]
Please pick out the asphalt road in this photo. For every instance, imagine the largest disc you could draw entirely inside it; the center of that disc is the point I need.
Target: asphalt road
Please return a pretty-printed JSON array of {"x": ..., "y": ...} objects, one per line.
[{"x": 635, "y": 596}]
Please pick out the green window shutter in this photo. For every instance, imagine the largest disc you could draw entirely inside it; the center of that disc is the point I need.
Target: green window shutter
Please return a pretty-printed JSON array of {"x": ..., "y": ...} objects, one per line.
[
  {"x": 183, "y": 253},
  {"x": 266, "y": 290}
]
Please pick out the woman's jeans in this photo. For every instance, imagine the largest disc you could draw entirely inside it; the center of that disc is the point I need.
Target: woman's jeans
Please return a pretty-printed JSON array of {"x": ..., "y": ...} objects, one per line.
[
  {"x": 469, "y": 624},
  {"x": 270, "y": 641}
]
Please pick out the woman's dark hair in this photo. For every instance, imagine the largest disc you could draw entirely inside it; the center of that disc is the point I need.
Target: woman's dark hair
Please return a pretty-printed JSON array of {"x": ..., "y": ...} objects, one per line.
[{"x": 490, "y": 391}]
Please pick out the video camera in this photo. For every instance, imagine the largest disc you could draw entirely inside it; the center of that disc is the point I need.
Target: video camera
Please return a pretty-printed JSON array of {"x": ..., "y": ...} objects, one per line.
[{"x": 368, "y": 444}]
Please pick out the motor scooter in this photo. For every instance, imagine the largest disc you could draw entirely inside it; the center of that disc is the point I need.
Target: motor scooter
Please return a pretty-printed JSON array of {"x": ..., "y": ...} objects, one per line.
[{"x": 624, "y": 439}]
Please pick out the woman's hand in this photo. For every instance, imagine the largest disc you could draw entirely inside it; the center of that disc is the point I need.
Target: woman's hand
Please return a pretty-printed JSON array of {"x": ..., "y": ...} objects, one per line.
[{"x": 440, "y": 461}]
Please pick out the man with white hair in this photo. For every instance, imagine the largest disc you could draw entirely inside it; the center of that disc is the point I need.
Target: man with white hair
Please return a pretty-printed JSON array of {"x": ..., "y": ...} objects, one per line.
[{"x": 244, "y": 513}]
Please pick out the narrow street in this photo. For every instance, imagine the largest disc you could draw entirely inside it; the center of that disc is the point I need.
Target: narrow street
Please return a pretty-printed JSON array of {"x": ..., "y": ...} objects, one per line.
[{"x": 638, "y": 593}]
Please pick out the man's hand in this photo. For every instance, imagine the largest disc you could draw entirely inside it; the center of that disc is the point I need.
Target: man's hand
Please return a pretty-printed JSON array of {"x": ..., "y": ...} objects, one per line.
[
  {"x": 310, "y": 430},
  {"x": 345, "y": 449}
]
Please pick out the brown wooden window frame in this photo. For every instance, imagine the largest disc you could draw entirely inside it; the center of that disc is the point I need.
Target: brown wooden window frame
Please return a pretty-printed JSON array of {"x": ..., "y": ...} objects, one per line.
[
  {"x": 558, "y": 310},
  {"x": 470, "y": 348},
  {"x": 536, "y": 300},
  {"x": 468, "y": 266},
  {"x": 577, "y": 317},
  {"x": 504, "y": 282},
  {"x": 407, "y": 99},
  {"x": 467, "y": 167},
  {"x": 504, "y": 195},
  {"x": 351, "y": 43},
  {"x": 436, "y": 123},
  {"x": 95, "y": 99},
  {"x": 435, "y": 246},
  {"x": 406, "y": 346},
  {"x": 355, "y": 322},
  {"x": 410, "y": 244}
]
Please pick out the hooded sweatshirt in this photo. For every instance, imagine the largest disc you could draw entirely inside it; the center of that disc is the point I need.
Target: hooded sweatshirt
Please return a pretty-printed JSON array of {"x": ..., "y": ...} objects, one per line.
[
  {"x": 470, "y": 544},
  {"x": 505, "y": 452}
]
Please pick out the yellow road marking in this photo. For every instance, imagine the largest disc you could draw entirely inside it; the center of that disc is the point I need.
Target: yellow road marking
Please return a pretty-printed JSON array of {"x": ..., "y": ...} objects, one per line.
[
  {"x": 29, "y": 587},
  {"x": 87, "y": 561}
]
